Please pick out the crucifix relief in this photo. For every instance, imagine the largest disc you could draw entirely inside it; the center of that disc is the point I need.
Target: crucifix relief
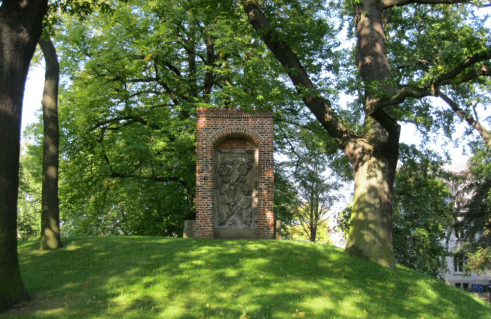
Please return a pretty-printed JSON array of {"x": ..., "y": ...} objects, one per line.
[{"x": 236, "y": 194}]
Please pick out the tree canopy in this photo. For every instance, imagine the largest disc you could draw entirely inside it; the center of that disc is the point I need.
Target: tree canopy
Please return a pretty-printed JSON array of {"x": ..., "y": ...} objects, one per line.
[
  {"x": 135, "y": 72},
  {"x": 404, "y": 52}
]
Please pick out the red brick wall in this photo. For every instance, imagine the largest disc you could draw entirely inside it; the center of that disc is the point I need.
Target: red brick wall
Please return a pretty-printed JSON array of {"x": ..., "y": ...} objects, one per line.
[
  {"x": 237, "y": 144},
  {"x": 234, "y": 129}
]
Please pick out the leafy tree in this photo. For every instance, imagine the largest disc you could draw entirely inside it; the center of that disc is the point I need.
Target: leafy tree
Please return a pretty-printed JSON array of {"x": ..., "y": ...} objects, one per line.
[
  {"x": 136, "y": 76},
  {"x": 476, "y": 222},
  {"x": 306, "y": 167},
  {"x": 405, "y": 51},
  {"x": 286, "y": 200},
  {"x": 29, "y": 202},
  {"x": 298, "y": 232},
  {"x": 20, "y": 29},
  {"x": 423, "y": 212}
]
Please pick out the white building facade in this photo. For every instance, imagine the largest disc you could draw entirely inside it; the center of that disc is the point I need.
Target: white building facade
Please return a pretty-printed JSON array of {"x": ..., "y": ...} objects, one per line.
[{"x": 456, "y": 275}]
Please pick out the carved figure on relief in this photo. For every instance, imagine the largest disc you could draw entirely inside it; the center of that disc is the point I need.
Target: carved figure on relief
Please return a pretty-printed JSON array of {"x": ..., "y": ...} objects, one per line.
[{"x": 236, "y": 203}]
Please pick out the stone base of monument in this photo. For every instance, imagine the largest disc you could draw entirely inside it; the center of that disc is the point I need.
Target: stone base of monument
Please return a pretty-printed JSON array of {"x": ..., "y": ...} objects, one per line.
[
  {"x": 235, "y": 233},
  {"x": 189, "y": 229},
  {"x": 231, "y": 233}
]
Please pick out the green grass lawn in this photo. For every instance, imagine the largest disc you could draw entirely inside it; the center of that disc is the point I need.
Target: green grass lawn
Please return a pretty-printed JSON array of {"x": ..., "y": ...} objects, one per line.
[{"x": 154, "y": 277}]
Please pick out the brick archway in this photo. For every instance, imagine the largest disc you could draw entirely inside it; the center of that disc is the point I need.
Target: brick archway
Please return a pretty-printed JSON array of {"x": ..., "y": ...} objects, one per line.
[
  {"x": 239, "y": 132},
  {"x": 216, "y": 127}
]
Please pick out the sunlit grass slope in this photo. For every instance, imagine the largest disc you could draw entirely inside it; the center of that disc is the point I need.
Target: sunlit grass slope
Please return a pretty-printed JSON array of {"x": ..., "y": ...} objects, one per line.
[{"x": 150, "y": 277}]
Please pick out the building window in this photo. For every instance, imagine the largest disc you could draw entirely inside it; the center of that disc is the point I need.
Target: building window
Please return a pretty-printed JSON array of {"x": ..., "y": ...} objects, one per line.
[
  {"x": 460, "y": 232},
  {"x": 465, "y": 286},
  {"x": 457, "y": 232},
  {"x": 459, "y": 263},
  {"x": 457, "y": 285}
]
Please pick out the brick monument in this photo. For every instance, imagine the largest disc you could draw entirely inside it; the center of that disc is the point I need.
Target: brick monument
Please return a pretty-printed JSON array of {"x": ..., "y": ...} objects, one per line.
[{"x": 235, "y": 174}]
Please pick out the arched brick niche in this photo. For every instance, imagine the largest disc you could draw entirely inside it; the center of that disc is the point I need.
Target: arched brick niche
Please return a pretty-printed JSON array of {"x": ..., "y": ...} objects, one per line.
[{"x": 222, "y": 136}]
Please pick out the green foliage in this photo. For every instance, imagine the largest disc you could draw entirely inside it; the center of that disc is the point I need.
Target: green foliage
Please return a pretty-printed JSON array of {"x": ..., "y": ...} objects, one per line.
[
  {"x": 30, "y": 184},
  {"x": 286, "y": 197},
  {"x": 29, "y": 202},
  {"x": 78, "y": 8},
  {"x": 297, "y": 232},
  {"x": 134, "y": 76},
  {"x": 425, "y": 41},
  {"x": 476, "y": 222},
  {"x": 152, "y": 277},
  {"x": 311, "y": 192},
  {"x": 422, "y": 212},
  {"x": 479, "y": 260},
  {"x": 343, "y": 221}
]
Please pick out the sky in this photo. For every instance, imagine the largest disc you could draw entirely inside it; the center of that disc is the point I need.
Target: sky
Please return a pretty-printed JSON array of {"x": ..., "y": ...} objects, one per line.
[{"x": 32, "y": 96}]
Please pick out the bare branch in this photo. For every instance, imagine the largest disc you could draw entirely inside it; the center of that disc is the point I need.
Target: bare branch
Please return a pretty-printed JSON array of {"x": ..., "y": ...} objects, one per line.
[
  {"x": 297, "y": 163},
  {"x": 485, "y": 134}
]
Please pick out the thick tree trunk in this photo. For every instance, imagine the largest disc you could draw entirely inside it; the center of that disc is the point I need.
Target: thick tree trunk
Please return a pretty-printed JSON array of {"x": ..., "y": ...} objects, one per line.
[
  {"x": 374, "y": 156},
  {"x": 370, "y": 234},
  {"x": 20, "y": 29},
  {"x": 50, "y": 216}
]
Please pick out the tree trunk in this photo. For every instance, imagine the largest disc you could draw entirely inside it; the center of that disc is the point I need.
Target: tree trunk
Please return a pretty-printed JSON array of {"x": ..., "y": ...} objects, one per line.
[
  {"x": 20, "y": 29},
  {"x": 311, "y": 221},
  {"x": 50, "y": 216},
  {"x": 374, "y": 156},
  {"x": 313, "y": 232},
  {"x": 370, "y": 234}
]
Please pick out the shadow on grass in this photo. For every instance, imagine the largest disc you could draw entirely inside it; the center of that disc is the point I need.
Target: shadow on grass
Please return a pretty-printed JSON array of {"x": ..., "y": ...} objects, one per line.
[{"x": 149, "y": 277}]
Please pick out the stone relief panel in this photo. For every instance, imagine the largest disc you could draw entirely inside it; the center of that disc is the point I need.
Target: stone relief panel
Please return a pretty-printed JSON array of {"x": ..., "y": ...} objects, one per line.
[{"x": 236, "y": 193}]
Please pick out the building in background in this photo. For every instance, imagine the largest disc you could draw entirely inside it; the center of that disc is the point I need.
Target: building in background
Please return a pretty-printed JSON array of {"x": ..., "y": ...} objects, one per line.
[{"x": 456, "y": 275}]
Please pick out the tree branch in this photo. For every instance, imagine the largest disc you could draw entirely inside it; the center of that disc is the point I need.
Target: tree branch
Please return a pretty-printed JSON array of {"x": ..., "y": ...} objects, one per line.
[
  {"x": 173, "y": 69},
  {"x": 476, "y": 58},
  {"x": 393, "y": 3},
  {"x": 403, "y": 93},
  {"x": 154, "y": 178},
  {"x": 145, "y": 80},
  {"x": 160, "y": 179},
  {"x": 130, "y": 119},
  {"x": 320, "y": 107},
  {"x": 485, "y": 134},
  {"x": 469, "y": 76},
  {"x": 453, "y": 76}
]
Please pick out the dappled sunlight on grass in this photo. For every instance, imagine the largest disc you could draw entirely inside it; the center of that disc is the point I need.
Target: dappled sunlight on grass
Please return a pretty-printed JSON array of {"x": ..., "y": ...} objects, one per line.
[{"x": 150, "y": 277}]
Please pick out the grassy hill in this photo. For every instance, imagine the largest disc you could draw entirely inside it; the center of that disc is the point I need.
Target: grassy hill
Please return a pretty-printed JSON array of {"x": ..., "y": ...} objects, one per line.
[{"x": 152, "y": 277}]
